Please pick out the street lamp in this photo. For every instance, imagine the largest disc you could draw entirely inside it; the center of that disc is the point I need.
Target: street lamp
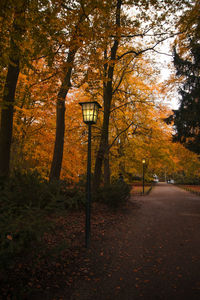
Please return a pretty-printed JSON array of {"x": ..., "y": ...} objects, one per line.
[
  {"x": 90, "y": 115},
  {"x": 143, "y": 165}
]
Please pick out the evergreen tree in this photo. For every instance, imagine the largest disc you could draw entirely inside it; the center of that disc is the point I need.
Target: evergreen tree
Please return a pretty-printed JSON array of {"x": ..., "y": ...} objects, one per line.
[{"x": 187, "y": 118}]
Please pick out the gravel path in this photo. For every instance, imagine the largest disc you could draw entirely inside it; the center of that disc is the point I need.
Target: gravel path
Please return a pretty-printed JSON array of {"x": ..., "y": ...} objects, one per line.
[{"x": 153, "y": 253}]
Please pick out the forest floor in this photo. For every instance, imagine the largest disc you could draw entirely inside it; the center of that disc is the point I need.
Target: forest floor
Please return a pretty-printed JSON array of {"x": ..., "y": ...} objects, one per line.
[
  {"x": 41, "y": 274},
  {"x": 148, "y": 250}
]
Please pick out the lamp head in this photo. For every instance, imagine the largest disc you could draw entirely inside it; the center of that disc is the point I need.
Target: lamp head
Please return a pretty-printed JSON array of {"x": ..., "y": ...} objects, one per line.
[{"x": 90, "y": 111}]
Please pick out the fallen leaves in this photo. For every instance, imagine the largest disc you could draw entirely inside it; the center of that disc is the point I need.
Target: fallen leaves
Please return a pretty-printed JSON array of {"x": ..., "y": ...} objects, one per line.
[
  {"x": 9, "y": 237},
  {"x": 70, "y": 262},
  {"x": 111, "y": 254}
]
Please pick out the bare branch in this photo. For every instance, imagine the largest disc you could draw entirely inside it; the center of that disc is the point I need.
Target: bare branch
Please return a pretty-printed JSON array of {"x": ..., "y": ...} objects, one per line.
[
  {"x": 162, "y": 53},
  {"x": 122, "y": 77},
  {"x": 131, "y": 102},
  {"x": 137, "y": 53},
  {"x": 136, "y": 126},
  {"x": 120, "y": 106},
  {"x": 42, "y": 80}
]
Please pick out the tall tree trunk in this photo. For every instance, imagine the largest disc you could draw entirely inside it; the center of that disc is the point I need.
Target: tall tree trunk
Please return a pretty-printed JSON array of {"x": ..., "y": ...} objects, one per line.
[
  {"x": 60, "y": 119},
  {"x": 103, "y": 144},
  {"x": 108, "y": 93},
  {"x": 8, "y": 99},
  {"x": 7, "y": 117},
  {"x": 60, "y": 105}
]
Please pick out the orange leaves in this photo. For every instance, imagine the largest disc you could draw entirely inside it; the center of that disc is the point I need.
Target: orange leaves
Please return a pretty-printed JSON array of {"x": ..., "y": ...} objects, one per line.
[
  {"x": 135, "y": 270},
  {"x": 9, "y": 237},
  {"x": 118, "y": 288}
]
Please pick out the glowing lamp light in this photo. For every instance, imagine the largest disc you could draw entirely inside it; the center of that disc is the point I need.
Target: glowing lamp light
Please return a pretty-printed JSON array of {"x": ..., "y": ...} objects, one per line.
[{"x": 90, "y": 112}]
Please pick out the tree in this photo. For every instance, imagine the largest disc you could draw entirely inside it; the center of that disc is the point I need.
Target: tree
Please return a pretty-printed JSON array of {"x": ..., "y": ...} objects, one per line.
[
  {"x": 153, "y": 31},
  {"x": 25, "y": 36},
  {"x": 8, "y": 97},
  {"x": 60, "y": 117},
  {"x": 75, "y": 42},
  {"x": 80, "y": 34},
  {"x": 186, "y": 118}
]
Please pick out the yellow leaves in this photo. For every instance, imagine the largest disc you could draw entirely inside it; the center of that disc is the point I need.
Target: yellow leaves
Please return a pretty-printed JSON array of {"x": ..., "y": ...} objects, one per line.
[{"x": 152, "y": 139}]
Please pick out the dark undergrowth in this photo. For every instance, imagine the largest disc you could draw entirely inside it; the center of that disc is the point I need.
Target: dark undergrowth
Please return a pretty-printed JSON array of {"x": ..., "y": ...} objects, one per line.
[{"x": 39, "y": 223}]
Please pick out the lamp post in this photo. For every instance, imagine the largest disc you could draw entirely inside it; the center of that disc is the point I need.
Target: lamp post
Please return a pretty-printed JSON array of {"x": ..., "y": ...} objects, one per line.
[
  {"x": 90, "y": 115},
  {"x": 143, "y": 165}
]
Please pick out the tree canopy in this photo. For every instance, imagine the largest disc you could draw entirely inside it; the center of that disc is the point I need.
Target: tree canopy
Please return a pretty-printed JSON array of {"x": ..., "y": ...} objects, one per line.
[{"x": 57, "y": 53}]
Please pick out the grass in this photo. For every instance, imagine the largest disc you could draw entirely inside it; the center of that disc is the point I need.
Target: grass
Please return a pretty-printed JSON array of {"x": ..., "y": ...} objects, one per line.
[{"x": 191, "y": 188}]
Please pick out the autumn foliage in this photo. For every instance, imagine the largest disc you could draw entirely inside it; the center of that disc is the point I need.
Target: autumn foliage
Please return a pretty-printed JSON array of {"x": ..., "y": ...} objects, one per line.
[
  {"x": 53, "y": 55},
  {"x": 55, "y": 73}
]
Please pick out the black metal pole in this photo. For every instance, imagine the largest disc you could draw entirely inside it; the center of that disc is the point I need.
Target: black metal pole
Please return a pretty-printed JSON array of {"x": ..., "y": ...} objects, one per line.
[
  {"x": 88, "y": 191},
  {"x": 143, "y": 178}
]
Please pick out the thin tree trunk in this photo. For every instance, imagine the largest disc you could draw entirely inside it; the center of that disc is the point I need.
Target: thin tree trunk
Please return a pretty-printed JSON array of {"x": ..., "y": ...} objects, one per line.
[
  {"x": 106, "y": 169},
  {"x": 60, "y": 105},
  {"x": 121, "y": 155},
  {"x": 60, "y": 120},
  {"x": 101, "y": 152},
  {"x": 108, "y": 93}
]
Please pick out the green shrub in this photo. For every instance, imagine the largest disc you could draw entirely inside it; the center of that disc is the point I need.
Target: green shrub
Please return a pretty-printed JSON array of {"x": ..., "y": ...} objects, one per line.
[
  {"x": 23, "y": 202},
  {"x": 26, "y": 201},
  {"x": 76, "y": 200},
  {"x": 183, "y": 179},
  {"x": 115, "y": 195},
  {"x": 67, "y": 196},
  {"x": 71, "y": 198}
]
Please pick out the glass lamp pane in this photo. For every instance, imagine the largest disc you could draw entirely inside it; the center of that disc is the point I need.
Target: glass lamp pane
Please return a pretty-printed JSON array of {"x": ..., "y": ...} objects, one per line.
[
  {"x": 95, "y": 114},
  {"x": 90, "y": 112}
]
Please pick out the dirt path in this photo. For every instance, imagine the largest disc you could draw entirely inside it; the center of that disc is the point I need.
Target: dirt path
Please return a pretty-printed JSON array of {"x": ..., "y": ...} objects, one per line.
[{"x": 153, "y": 254}]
